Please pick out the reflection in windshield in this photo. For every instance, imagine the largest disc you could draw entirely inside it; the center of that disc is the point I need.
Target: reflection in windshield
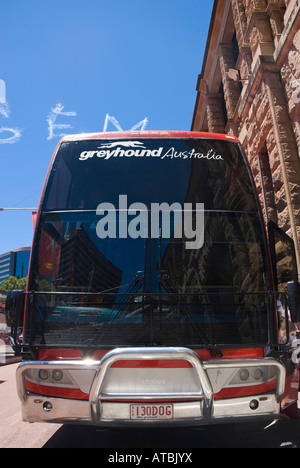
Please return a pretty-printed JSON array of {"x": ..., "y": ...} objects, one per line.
[{"x": 120, "y": 289}]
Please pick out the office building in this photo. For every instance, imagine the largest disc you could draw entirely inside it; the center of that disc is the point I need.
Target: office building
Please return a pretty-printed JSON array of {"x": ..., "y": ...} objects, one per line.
[{"x": 14, "y": 263}]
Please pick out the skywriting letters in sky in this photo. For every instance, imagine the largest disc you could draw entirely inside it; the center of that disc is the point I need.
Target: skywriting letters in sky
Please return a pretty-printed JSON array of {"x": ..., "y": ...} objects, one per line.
[{"x": 56, "y": 129}]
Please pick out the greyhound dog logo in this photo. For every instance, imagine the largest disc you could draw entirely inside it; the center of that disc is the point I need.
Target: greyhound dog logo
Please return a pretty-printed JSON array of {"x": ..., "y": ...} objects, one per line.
[{"x": 126, "y": 144}]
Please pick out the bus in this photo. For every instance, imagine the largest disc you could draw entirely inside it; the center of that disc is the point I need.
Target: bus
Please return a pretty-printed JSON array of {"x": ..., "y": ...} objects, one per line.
[{"x": 156, "y": 294}]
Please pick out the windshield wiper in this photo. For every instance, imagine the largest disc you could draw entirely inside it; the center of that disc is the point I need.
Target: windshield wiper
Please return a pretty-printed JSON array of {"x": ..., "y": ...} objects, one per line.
[
  {"x": 132, "y": 290},
  {"x": 138, "y": 277},
  {"x": 206, "y": 340},
  {"x": 214, "y": 349}
]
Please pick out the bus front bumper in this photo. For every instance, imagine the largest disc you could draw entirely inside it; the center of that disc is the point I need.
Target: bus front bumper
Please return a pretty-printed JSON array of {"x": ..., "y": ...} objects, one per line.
[
  {"x": 64, "y": 411},
  {"x": 123, "y": 393}
]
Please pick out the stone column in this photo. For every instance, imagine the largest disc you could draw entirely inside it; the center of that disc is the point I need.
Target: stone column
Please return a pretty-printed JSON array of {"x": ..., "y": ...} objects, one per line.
[
  {"x": 260, "y": 35},
  {"x": 267, "y": 187},
  {"x": 232, "y": 89},
  {"x": 240, "y": 20},
  {"x": 276, "y": 20},
  {"x": 289, "y": 169},
  {"x": 215, "y": 113},
  {"x": 254, "y": 5}
]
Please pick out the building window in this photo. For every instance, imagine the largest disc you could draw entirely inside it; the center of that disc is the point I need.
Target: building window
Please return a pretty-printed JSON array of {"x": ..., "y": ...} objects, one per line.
[
  {"x": 221, "y": 92},
  {"x": 235, "y": 48}
]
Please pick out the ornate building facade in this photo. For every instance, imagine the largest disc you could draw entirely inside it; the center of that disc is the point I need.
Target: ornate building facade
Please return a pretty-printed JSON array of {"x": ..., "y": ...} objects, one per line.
[{"x": 250, "y": 87}]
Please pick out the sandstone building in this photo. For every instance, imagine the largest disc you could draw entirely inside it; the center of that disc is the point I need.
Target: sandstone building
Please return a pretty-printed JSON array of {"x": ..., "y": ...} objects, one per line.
[{"x": 250, "y": 87}]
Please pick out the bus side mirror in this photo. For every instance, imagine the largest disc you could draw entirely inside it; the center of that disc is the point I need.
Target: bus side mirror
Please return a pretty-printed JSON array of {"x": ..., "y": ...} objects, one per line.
[
  {"x": 294, "y": 300},
  {"x": 14, "y": 308}
]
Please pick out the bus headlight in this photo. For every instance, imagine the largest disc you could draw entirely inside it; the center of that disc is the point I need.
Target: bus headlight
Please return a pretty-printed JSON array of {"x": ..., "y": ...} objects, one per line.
[
  {"x": 44, "y": 374},
  {"x": 244, "y": 374},
  {"x": 51, "y": 377},
  {"x": 57, "y": 375},
  {"x": 258, "y": 374},
  {"x": 247, "y": 376}
]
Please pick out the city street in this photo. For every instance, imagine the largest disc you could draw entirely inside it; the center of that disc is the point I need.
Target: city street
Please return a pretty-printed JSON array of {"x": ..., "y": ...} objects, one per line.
[{"x": 17, "y": 434}]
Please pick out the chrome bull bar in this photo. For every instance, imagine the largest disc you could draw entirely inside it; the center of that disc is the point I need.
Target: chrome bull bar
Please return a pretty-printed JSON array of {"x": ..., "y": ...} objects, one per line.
[
  {"x": 103, "y": 408},
  {"x": 205, "y": 390}
]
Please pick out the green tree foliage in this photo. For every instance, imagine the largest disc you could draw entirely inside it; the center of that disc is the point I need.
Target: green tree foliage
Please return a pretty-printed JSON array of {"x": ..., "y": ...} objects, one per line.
[{"x": 13, "y": 283}]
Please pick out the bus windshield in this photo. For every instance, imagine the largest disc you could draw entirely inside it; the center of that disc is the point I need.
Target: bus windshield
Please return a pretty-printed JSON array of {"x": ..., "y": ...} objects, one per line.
[{"x": 148, "y": 242}]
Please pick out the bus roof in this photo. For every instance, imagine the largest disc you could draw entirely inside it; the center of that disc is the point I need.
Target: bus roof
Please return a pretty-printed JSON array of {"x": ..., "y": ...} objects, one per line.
[{"x": 148, "y": 134}]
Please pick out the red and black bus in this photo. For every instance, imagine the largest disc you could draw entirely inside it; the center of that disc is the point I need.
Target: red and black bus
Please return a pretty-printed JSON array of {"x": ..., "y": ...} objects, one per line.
[{"x": 156, "y": 294}]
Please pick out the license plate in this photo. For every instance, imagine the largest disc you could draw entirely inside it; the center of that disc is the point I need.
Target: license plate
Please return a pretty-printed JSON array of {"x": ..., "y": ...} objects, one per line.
[{"x": 151, "y": 412}]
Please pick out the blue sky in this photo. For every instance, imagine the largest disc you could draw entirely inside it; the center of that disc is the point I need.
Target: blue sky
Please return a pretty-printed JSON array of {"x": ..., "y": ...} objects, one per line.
[{"x": 129, "y": 59}]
